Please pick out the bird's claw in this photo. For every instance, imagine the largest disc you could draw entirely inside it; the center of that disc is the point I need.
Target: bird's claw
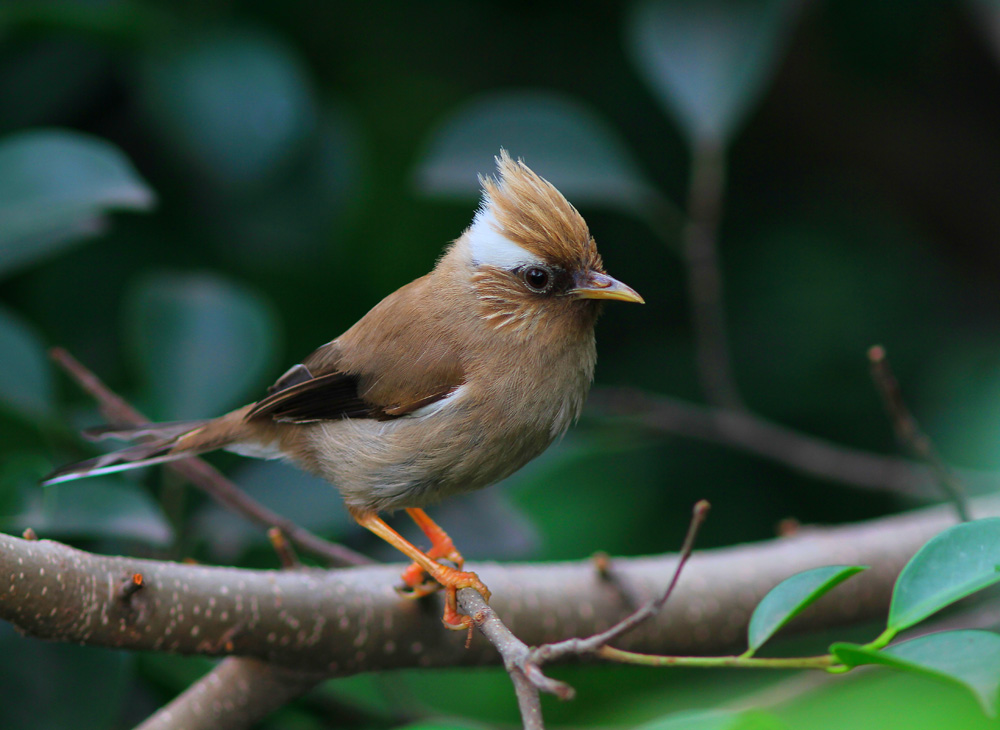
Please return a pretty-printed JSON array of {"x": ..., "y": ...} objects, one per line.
[
  {"x": 418, "y": 584},
  {"x": 426, "y": 587}
]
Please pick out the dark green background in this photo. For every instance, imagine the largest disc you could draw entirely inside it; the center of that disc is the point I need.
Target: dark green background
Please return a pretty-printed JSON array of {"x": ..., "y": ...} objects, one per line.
[{"x": 289, "y": 146}]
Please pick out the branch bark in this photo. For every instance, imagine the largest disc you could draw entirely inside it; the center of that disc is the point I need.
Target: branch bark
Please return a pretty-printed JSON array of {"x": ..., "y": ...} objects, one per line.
[
  {"x": 340, "y": 622},
  {"x": 234, "y": 695}
]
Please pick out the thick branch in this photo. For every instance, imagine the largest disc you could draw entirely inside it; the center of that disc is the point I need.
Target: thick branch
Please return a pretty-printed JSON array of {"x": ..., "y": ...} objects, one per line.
[
  {"x": 344, "y": 621},
  {"x": 235, "y": 694}
]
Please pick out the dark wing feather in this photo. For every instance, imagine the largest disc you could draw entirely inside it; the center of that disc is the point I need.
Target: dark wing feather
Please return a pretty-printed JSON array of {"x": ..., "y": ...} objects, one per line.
[
  {"x": 330, "y": 396},
  {"x": 400, "y": 357},
  {"x": 334, "y": 396},
  {"x": 293, "y": 376}
]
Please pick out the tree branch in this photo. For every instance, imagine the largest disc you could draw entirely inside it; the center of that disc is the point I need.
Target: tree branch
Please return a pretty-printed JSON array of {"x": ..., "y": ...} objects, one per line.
[
  {"x": 705, "y": 291},
  {"x": 340, "y": 622},
  {"x": 806, "y": 454},
  {"x": 234, "y": 695},
  {"x": 909, "y": 433}
]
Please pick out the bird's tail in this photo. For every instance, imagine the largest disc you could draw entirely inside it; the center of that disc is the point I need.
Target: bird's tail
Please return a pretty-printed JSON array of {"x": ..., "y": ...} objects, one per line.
[{"x": 159, "y": 442}]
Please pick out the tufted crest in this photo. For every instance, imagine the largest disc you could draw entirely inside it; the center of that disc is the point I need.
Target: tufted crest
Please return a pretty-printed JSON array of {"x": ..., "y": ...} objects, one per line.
[{"x": 529, "y": 212}]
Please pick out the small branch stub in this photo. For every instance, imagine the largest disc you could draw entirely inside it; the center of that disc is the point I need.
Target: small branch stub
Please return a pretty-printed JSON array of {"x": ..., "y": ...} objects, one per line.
[
  {"x": 286, "y": 553},
  {"x": 132, "y": 585}
]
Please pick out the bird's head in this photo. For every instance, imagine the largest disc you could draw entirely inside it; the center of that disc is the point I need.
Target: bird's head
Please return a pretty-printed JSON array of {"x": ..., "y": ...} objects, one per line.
[{"x": 531, "y": 255}]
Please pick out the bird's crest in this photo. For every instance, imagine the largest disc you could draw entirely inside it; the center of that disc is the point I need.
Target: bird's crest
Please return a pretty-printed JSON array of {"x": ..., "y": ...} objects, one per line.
[{"x": 527, "y": 210}]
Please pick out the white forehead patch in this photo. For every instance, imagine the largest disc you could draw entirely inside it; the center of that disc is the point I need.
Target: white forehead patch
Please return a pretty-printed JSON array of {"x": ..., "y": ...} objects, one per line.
[{"x": 488, "y": 246}]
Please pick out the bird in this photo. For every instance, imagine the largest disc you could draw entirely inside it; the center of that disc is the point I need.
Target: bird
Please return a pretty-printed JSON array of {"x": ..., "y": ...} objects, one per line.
[{"x": 449, "y": 384}]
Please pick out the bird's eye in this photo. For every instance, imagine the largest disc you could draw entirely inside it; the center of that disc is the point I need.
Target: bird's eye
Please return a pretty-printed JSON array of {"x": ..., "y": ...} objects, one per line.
[{"x": 537, "y": 278}]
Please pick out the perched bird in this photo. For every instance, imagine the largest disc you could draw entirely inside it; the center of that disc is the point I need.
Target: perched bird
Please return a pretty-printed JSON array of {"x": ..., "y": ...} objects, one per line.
[{"x": 449, "y": 384}]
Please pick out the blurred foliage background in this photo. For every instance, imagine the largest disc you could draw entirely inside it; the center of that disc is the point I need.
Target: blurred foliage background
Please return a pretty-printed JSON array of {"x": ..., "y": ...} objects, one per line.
[{"x": 195, "y": 194}]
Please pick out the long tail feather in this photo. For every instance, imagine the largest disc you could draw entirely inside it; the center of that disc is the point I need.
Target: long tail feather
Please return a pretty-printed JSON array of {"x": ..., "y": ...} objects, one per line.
[
  {"x": 166, "y": 431},
  {"x": 110, "y": 463},
  {"x": 159, "y": 442}
]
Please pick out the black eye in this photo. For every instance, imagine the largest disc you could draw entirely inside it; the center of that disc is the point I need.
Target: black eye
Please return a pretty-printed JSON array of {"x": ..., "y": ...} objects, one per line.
[{"x": 537, "y": 278}]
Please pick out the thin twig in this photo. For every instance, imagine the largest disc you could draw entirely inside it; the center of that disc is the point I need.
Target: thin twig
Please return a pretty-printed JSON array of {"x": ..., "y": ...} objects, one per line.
[
  {"x": 529, "y": 702},
  {"x": 204, "y": 476},
  {"x": 824, "y": 661},
  {"x": 705, "y": 193},
  {"x": 909, "y": 433},
  {"x": 591, "y": 644},
  {"x": 798, "y": 451},
  {"x": 527, "y": 677}
]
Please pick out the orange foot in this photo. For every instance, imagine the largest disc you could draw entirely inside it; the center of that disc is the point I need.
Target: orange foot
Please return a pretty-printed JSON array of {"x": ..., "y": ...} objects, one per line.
[
  {"x": 415, "y": 578},
  {"x": 451, "y": 579}
]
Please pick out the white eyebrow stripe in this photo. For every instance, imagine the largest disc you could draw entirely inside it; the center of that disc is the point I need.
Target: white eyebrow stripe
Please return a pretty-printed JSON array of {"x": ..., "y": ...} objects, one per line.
[{"x": 490, "y": 247}]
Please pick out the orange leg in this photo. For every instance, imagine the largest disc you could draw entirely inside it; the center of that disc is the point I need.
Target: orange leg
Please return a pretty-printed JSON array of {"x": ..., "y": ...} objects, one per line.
[
  {"x": 441, "y": 547},
  {"x": 451, "y": 578}
]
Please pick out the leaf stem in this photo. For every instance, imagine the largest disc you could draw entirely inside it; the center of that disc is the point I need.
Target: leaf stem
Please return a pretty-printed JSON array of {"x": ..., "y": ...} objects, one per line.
[
  {"x": 882, "y": 640},
  {"x": 826, "y": 661}
]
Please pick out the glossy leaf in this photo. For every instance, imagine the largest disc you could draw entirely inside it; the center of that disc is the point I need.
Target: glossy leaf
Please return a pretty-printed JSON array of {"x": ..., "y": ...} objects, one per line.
[
  {"x": 235, "y": 104},
  {"x": 952, "y": 565},
  {"x": 25, "y": 373},
  {"x": 969, "y": 658},
  {"x": 286, "y": 224},
  {"x": 708, "y": 61},
  {"x": 202, "y": 343},
  {"x": 792, "y": 596},
  {"x": 561, "y": 140},
  {"x": 93, "y": 508},
  {"x": 55, "y": 187}
]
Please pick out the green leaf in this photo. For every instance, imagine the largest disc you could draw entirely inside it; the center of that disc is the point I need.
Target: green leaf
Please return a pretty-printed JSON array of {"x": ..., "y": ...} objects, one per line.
[
  {"x": 55, "y": 187},
  {"x": 715, "y": 720},
  {"x": 708, "y": 61},
  {"x": 25, "y": 373},
  {"x": 561, "y": 140},
  {"x": 792, "y": 596},
  {"x": 94, "y": 508},
  {"x": 952, "y": 565},
  {"x": 235, "y": 104},
  {"x": 969, "y": 658},
  {"x": 202, "y": 343},
  {"x": 288, "y": 222}
]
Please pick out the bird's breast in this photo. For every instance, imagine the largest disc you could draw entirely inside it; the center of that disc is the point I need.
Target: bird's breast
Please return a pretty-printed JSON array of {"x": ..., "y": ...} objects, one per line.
[{"x": 498, "y": 420}]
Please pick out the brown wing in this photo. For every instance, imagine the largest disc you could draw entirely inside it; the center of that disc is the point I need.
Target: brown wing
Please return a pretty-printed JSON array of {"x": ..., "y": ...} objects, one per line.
[{"x": 388, "y": 365}]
